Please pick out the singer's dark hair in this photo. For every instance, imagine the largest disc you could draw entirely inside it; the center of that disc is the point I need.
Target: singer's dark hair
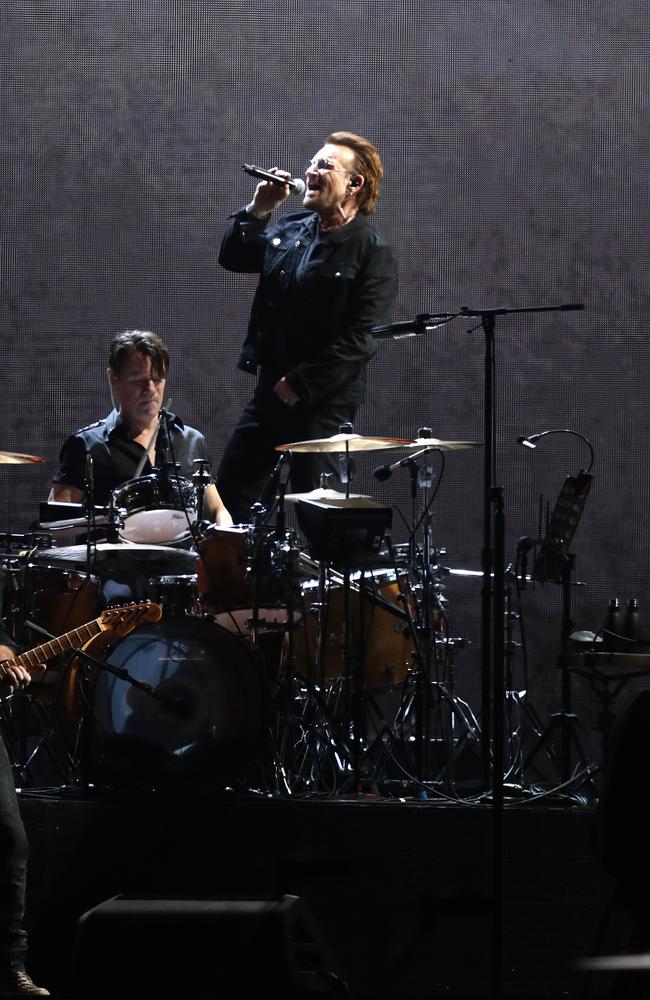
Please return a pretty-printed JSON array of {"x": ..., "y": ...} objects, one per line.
[
  {"x": 129, "y": 342},
  {"x": 367, "y": 162}
]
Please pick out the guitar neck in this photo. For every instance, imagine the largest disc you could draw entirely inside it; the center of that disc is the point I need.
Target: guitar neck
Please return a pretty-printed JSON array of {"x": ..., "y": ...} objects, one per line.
[{"x": 34, "y": 658}]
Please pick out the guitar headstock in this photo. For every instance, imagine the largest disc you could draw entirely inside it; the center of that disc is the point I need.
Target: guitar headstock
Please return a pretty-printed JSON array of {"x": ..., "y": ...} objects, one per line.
[{"x": 127, "y": 617}]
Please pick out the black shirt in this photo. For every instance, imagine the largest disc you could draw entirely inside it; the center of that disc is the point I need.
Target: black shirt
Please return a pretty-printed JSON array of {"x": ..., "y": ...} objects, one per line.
[{"x": 116, "y": 455}]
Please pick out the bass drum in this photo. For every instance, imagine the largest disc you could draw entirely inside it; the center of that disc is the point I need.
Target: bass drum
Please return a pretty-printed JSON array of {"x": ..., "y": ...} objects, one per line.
[{"x": 199, "y": 725}]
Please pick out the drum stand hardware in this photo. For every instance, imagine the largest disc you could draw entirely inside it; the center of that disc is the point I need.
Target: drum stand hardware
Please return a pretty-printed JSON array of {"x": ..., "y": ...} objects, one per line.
[
  {"x": 30, "y": 733},
  {"x": 441, "y": 720},
  {"x": 311, "y": 752},
  {"x": 554, "y": 563},
  {"x": 565, "y": 722},
  {"x": 202, "y": 480},
  {"x": 312, "y": 746},
  {"x": 342, "y": 532},
  {"x": 519, "y": 710}
]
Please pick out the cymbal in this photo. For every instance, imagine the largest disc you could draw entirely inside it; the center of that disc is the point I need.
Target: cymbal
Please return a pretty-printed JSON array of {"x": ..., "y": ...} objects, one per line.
[
  {"x": 345, "y": 442},
  {"x": 126, "y": 554},
  {"x": 621, "y": 963},
  {"x": 322, "y": 494},
  {"x": 440, "y": 445},
  {"x": 15, "y": 458}
]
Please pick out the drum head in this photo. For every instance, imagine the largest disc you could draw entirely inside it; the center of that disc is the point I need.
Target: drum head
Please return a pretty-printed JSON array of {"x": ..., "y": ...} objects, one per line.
[
  {"x": 159, "y": 526},
  {"x": 203, "y": 718},
  {"x": 156, "y": 511}
]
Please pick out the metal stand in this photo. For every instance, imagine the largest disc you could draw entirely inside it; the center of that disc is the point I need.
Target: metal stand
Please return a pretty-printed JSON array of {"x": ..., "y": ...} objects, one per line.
[{"x": 565, "y": 721}]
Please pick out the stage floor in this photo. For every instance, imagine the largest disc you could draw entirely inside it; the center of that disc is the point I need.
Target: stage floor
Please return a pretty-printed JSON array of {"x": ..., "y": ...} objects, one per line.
[{"x": 402, "y": 890}]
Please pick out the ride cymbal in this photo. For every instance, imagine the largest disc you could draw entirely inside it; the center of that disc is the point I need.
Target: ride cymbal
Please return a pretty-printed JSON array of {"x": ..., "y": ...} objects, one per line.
[
  {"x": 440, "y": 445},
  {"x": 345, "y": 442},
  {"x": 15, "y": 458}
]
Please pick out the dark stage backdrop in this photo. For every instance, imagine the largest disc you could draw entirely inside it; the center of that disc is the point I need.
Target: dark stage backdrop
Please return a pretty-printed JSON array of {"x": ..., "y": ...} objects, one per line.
[{"x": 515, "y": 141}]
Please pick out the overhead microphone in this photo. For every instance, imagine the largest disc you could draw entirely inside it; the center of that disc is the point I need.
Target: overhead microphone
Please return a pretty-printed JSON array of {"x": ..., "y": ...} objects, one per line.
[
  {"x": 295, "y": 184},
  {"x": 269, "y": 491},
  {"x": 384, "y": 472},
  {"x": 530, "y": 440}
]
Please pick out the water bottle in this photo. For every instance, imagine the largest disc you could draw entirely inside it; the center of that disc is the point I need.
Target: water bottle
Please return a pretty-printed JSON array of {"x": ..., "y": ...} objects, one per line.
[
  {"x": 632, "y": 624},
  {"x": 614, "y": 623}
]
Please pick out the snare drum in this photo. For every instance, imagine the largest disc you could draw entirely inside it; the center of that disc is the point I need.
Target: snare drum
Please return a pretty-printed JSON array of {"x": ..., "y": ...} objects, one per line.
[
  {"x": 388, "y": 645},
  {"x": 156, "y": 510}
]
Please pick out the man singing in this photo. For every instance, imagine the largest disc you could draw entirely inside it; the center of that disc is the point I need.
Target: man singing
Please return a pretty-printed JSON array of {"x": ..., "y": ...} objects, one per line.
[{"x": 326, "y": 278}]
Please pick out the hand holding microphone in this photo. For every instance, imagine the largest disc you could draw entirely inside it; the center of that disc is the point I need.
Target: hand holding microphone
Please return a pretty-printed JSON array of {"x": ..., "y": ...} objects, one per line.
[{"x": 275, "y": 187}]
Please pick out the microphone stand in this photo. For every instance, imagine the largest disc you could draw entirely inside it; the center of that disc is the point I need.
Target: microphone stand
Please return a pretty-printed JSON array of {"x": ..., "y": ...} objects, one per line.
[
  {"x": 492, "y": 616},
  {"x": 89, "y": 511}
]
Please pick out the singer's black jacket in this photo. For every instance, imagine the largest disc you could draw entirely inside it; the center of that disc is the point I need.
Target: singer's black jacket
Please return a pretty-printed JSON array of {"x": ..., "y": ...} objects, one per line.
[{"x": 318, "y": 297}]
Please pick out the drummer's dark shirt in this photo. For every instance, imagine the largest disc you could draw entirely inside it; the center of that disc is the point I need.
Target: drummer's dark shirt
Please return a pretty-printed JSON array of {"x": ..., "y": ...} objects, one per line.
[{"x": 116, "y": 456}]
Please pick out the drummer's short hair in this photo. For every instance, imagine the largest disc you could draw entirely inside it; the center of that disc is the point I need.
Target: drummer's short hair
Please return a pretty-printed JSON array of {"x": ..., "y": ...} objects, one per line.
[
  {"x": 129, "y": 342},
  {"x": 367, "y": 162}
]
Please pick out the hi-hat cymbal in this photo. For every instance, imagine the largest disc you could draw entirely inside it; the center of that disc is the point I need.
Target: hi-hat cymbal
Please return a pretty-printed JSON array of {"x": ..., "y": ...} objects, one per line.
[
  {"x": 440, "y": 445},
  {"x": 346, "y": 442},
  {"x": 15, "y": 458}
]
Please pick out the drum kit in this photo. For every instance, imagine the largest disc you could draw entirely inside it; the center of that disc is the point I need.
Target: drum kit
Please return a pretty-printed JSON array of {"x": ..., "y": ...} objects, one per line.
[{"x": 311, "y": 659}]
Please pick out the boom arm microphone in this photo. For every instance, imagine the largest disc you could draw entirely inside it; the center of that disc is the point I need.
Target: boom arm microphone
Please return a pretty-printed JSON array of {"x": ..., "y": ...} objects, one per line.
[
  {"x": 294, "y": 184},
  {"x": 384, "y": 472}
]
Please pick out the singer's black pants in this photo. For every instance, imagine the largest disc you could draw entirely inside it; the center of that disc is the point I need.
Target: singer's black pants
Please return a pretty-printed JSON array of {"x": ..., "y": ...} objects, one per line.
[
  {"x": 13, "y": 869},
  {"x": 250, "y": 455}
]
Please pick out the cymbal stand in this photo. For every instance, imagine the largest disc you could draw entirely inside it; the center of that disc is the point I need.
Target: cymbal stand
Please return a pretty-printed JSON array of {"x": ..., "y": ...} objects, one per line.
[
  {"x": 202, "y": 480},
  {"x": 255, "y": 565},
  {"x": 305, "y": 737},
  {"x": 434, "y": 702},
  {"x": 353, "y": 648}
]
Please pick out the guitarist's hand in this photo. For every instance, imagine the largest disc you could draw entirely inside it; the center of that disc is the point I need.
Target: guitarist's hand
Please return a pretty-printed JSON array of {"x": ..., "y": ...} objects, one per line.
[{"x": 15, "y": 676}]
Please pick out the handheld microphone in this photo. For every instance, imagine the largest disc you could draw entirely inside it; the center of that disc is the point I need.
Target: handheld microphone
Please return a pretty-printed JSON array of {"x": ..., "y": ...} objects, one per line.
[{"x": 295, "y": 184}]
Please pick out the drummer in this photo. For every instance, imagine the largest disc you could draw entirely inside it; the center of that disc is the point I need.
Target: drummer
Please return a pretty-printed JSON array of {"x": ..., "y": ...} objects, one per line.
[{"x": 138, "y": 366}]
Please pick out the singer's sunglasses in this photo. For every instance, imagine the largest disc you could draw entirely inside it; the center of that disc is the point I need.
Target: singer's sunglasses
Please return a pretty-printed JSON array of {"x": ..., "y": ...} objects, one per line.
[{"x": 324, "y": 166}]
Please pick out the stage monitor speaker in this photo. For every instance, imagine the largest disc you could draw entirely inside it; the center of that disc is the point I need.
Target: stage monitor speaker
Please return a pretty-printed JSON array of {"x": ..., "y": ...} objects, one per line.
[{"x": 239, "y": 949}]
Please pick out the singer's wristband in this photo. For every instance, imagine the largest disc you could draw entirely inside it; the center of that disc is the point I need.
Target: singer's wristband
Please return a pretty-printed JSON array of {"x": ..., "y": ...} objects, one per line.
[{"x": 251, "y": 211}]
